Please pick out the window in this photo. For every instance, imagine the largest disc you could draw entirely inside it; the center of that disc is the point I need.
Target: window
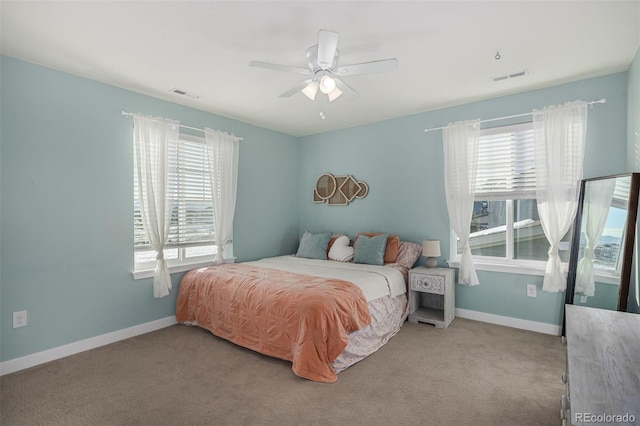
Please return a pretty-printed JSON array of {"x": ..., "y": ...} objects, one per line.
[
  {"x": 505, "y": 227},
  {"x": 191, "y": 233}
]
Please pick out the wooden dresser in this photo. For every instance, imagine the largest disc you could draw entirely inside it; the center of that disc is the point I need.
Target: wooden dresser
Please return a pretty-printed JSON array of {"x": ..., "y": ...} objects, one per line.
[{"x": 603, "y": 367}]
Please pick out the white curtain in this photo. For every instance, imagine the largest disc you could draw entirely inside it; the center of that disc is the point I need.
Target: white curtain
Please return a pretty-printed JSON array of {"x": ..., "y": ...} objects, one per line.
[
  {"x": 559, "y": 138},
  {"x": 151, "y": 140},
  {"x": 461, "y": 142},
  {"x": 223, "y": 163},
  {"x": 597, "y": 201}
]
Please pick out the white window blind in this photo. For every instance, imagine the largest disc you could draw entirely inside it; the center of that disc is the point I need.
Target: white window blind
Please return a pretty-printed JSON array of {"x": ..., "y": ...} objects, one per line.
[
  {"x": 621, "y": 192},
  {"x": 189, "y": 182},
  {"x": 506, "y": 163}
]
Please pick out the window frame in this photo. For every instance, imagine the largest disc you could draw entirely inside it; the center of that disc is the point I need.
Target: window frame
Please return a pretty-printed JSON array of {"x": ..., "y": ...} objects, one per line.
[
  {"x": 501, "y": 264},
  {"x": 182, "y": 262},
  {"x": 507, "y": 263}
]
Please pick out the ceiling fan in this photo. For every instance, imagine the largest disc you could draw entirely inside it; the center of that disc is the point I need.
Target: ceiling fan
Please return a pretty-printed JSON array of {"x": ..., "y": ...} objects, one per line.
[{"x": 322, "y": 65}]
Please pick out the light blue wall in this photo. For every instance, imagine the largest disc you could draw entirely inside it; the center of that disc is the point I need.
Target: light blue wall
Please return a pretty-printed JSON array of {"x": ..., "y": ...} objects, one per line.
[
  {"x": 66, "y": 189},
  {"x": 66, "y": 183},
  {"x": 404, "y": 169},
  {"x": 605, "y": 297}
]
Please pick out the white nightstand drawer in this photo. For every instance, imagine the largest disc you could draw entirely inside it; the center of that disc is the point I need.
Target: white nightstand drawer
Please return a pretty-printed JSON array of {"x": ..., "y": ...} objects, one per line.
[{"x": 428, "y": 283}]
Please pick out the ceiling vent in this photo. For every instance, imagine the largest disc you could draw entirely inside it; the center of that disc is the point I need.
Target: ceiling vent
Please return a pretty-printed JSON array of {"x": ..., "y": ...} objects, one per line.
[
  {"x": 511, "y": 75},
  {"x": 183, "y": 92}
]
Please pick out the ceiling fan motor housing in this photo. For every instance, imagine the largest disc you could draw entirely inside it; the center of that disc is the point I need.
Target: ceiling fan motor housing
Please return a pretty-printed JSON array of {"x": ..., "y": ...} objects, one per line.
[{"x": 312, "y": 60}]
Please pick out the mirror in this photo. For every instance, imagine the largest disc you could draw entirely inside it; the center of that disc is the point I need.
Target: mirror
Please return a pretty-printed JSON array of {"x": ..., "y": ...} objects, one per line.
[
  {"x": 602, "y": 247},
  {"x": 338, "y": 190},
  {"x": 325, "y": 186}
]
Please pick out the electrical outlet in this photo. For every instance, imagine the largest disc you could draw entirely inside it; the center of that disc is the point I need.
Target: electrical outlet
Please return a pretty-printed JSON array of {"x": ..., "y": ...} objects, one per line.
[
  {"x": 19, "y": 319},
  {"x": 531, "y": 290}
]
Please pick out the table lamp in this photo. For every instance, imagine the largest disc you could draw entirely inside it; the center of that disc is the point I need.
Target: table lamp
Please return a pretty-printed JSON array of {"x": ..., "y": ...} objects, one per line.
[{"x": 431, "y": 249}]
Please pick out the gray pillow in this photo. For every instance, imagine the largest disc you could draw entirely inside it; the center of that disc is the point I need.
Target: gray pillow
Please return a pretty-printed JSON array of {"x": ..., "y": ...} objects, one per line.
[
  {"x": 314, "y": 246},
  {"x": 370, "y": 250}
]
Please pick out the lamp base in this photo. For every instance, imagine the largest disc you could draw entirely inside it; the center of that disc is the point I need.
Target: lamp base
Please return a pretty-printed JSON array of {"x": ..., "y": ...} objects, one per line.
[{"x": 432, "y": 262}]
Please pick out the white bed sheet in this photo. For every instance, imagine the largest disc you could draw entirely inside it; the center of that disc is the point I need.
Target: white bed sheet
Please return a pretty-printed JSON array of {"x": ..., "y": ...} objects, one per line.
[{"x": 374, "y": 281}]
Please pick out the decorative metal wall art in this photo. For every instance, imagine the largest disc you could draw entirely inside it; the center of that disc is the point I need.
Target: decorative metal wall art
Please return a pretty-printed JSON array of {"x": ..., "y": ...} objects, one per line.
[{"x": 338, "y": 190}]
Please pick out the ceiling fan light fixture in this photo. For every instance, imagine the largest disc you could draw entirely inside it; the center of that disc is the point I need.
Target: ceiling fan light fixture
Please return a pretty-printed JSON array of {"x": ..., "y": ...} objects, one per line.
[
  {"x": 310, "y": 90},
  {"x": 327, "y": 84},
  {"x": 322, "y": 65},
  {"x": 335, "y": 94}
]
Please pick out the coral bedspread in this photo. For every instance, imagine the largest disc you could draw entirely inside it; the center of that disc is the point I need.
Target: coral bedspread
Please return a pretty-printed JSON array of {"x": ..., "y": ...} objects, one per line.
[{"x": 299, "y": 318}]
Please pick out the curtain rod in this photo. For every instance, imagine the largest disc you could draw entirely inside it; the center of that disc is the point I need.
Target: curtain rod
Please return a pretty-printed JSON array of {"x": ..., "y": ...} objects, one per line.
[
  {"x": 600, "y": 101},
  {"x": 129, "y": 114}
]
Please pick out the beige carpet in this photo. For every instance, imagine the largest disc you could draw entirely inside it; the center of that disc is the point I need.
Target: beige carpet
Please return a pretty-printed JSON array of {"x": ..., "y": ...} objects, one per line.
[{"x": 469, "y": 374}]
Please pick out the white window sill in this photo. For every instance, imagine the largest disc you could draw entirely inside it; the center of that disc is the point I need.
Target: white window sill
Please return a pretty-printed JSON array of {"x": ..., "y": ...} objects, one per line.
[
  {"x": 183, "y": 267},
  {"x": 527, "y": 269},
  {"x": 507, "y": 267}
]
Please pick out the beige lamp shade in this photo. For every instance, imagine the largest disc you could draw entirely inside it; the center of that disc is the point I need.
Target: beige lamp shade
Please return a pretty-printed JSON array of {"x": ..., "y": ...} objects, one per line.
[{"x": 431, "y": 250}]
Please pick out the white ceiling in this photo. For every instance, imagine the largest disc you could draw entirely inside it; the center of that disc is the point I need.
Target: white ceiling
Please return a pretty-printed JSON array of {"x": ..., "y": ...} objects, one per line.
[{"x": 445, "y": 50}]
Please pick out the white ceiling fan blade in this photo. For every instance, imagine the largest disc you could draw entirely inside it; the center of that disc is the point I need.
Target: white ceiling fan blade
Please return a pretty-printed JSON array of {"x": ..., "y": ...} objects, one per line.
[
  {"x": 368, "y": 67},
  {"x": 347, "y": 91},
  {"x": 278, "y": 67},
  {"x": 327, "y": 46},
  {"x": 296, "y": 89}
]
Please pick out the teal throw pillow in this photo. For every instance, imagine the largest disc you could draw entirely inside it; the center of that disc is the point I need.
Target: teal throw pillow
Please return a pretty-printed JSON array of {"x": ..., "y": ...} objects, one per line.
[
  {"x": 314, "y": 246},
  {"x": 370, "y": 250}
]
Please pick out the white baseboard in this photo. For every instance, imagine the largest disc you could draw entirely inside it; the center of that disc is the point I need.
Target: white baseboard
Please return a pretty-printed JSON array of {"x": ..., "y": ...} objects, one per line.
[
  {"x": 539, "y": 327},
  {"x": 32, "y": 360}
]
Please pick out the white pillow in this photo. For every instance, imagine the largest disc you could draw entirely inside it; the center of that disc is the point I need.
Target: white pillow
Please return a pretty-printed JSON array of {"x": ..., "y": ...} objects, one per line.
[{"x": 340, "y": 250}]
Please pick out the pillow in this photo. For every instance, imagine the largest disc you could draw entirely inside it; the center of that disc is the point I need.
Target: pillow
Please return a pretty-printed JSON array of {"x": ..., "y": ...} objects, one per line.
[
  {"x": 408, "y": 253},
  {"x": 332, "y": 240},
  {"x": 313, "y": 246},
  {"x": 340, "y": 249},
  {"x": 370, "y": 250},
  {"x": 391, "y": 249}
]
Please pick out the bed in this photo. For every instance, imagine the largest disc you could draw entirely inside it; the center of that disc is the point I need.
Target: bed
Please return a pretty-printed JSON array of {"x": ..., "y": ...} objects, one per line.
[{"x": 323, "y": 315}]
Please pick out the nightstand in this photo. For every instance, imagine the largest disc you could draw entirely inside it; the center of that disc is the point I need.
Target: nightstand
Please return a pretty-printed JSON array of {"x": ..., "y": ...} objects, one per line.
[{"x": 432, "y": 296}]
